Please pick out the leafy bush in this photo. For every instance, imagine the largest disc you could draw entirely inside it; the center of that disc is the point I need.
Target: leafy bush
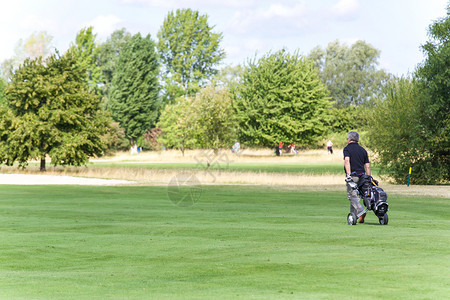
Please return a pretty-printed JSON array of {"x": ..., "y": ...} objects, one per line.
[
  {"x": 176, "y": 125},
  {"x": 115, "y": 139},
  {"x": 149, "y": 140},
  {"x": 397, "y": 135},
  {"x": 411, "y": 126},
  {"x": 281, "y": 98}
]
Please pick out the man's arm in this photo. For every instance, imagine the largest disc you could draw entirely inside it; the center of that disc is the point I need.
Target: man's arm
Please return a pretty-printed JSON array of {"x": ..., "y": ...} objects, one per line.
[
  {"x": 347, "y": 165},
  {"x": 368, "y": 172}
]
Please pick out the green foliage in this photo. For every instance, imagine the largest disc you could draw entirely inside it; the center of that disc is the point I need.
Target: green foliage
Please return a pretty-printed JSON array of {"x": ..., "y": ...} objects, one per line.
[
  {"x": 189, "y": 52},
  {"x": 350, "y": 73},
  {"x": 114, "y": 139},
  {"x": 108, "y": 54},
  {"x": 149, "y": 140},
  {"x": 87, "y": 52},
  {"x": 347, "y": 119},
  {"x": 135, "y": 89},
  {"x": 3, "y": 85},
  {"x": 177, "y": 125},
  {"x": 434, "y": 76},
  {"x": 213, "y": 119},
  {"x": 205, "y": 121},
  {"x": 228, "y": 77},
  {"x": 50, "y": 112},
  {"x": 339, "y": 140},
  {"x": 281, "y": 98},
  {"x": 410, "y": 127},
  {"x": 395, "y": 133}
]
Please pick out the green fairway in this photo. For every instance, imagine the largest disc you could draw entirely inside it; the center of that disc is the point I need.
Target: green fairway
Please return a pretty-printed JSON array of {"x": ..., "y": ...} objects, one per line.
[
  {"x": 282, "y": 167},
  {"x": 235, "y": 242}
]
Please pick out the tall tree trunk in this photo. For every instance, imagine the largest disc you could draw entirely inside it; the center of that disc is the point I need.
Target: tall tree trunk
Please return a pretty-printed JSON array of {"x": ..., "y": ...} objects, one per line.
[{"x": 42, "y": 169}]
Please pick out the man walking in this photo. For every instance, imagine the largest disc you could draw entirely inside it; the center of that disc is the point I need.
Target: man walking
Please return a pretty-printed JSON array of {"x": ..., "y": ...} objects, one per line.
[
  {"x": 356, "y": 163},
  {"x": 330, "y": 146}
]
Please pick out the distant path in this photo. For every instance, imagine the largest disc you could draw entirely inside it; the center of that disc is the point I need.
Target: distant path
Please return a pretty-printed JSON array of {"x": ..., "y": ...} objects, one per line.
[{"x": 26, "y": 179}]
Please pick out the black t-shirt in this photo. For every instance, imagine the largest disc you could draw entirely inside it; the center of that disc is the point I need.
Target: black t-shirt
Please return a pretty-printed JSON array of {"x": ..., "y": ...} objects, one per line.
[{"x": 358, "y": 157}]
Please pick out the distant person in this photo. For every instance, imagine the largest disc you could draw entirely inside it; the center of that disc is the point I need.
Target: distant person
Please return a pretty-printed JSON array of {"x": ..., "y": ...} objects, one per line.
[
  {"x": 134, "y": 149},
  {"x": 293, "y": 149},
  {"x": 330, "y": 146},
  {"x": 356, "y": 163},
  {"x": 280, "y": 148},
  {"x": 236, "y": 147}
]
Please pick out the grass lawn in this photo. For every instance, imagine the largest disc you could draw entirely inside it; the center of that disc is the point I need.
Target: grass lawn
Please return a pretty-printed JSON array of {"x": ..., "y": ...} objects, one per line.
[
  {"x": 316, "y": 168},
  {"x": 235, "y": 242}
]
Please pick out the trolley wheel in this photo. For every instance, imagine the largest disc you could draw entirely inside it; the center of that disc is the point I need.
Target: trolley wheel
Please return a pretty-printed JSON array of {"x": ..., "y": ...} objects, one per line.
[
  {"x": 384, "y": 219},
  {"x": 351, "y": 219}
]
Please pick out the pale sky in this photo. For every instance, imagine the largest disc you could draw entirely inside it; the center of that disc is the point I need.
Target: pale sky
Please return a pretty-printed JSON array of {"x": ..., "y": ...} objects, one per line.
[{"x": 250, "y": 27}]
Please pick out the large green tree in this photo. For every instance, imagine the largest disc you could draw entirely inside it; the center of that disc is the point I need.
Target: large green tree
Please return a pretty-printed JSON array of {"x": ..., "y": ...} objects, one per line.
[
  {"x": 351, "y": 74},
  {"x": 281, "y": 98},
  {"x": 410, "y": 126},
  {"x": 205, "y": 121},
  {"x": 213, "y": 118},
  {"x": 434, "y": 76},
  {"x": 394, "y": 133},
  {"x": 87, "y": 52},
  {"x": 109, "y": 53},
  {"x": 134, "y": 95},
  {"x": 177, "y": 125},
  {"x": 50, "y": 112},
  {"x": 190, "y": 52}
]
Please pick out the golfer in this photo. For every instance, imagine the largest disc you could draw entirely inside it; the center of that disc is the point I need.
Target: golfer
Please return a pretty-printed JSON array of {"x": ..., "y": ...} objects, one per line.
[
  {"x": 356, "y": 163},
  {"x": 330, "y": 146}
]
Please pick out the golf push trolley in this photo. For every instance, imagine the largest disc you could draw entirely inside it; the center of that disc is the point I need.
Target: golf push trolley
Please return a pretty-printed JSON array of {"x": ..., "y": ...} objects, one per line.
[{"x": 373, "y": 197}]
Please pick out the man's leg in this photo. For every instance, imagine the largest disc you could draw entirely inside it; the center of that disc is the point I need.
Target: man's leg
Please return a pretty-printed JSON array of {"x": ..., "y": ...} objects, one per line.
[{"x": 355, "y": 205}]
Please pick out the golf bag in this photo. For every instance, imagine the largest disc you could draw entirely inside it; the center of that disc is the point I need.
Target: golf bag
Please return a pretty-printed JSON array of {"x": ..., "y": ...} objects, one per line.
[{"x": 373, "y": 196}]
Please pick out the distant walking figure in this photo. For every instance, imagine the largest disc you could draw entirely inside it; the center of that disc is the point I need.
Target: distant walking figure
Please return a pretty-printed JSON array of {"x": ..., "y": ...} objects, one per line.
[
  {"x": 236, "y": 147},
  {"x": 330, "y": 147}
]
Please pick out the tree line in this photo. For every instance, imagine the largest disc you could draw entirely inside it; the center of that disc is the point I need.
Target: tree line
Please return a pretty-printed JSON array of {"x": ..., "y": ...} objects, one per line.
[{"x": 172, "y": 92}]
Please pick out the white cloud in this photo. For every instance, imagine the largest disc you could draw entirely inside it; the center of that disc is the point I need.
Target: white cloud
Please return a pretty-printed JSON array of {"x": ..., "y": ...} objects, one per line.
[
  {"x": 284, "y": 11},
  {"x": 345, "y": 8},
  {"x": 251, "y": 46},
  {"x": 276, "y": 17},
  {"x": 34, "y": 23},
  {"x": 349, "y": 40},
  {"x": 105, "y": 25},
  {"x": 170, "y": 4}
]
